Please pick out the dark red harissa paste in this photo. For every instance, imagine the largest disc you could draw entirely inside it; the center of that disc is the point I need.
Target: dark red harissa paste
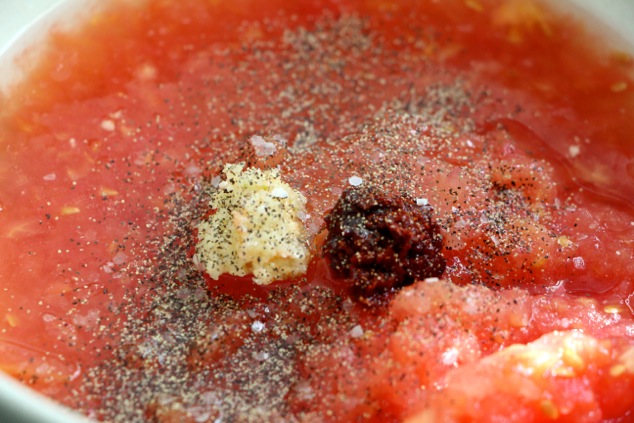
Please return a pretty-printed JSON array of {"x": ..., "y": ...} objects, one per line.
[{"x": 506, "y": 122}]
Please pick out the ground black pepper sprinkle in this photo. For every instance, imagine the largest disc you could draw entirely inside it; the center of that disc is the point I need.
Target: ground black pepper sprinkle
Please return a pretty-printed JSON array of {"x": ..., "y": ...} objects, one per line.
[{"x": 187, "y": 352}]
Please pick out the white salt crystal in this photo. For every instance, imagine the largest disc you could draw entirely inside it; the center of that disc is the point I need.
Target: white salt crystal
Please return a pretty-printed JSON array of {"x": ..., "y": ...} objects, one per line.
[
  {"x": 356, "y": 332},
  {"x": 355, "y": 181},
  {"x": 279, "y": 192},
  {"x": 107, "y": 125},
  {"x": 261, "y": 356},
  {"x": 262, "y": 147},
  {"x": 579, "y": 263}
]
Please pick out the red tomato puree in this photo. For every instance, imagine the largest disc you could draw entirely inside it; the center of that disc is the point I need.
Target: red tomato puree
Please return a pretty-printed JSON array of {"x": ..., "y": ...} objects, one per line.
[{"x": 503, "y": 118}]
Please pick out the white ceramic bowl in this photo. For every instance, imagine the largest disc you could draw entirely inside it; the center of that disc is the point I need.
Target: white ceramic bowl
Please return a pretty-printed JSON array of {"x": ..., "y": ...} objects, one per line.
[{"x": 24, "y": 23}]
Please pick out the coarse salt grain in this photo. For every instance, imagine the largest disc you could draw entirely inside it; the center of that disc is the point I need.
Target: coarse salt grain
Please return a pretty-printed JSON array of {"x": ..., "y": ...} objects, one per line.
[
  {"x": 215, "y": 181},
  {"x": 355, "y": 181},
  {"x": 579, "y": 263},
  {"x": 279, "y": 192},
  {"x": 422, "y": 201},
  {"x": 261, "y": 356},
  {"x": 450, "y": 357},
  {"x": 107, "y": 125},
  {"x": 574, "y": 150},
  {"x": 117, "y": 114},
  {"x": 262, "y": 147},
  {"x": 50, "y": 177},
  {"x": 257, "y": 326},
  {"x": 48, "y": 318},
  {"x": 356, "y": 332},
  {"x": 108, "y": 267}
]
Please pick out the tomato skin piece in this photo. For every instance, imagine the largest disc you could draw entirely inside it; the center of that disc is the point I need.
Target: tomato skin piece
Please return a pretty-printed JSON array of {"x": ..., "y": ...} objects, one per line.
[
  {"x": 552, "y": 398},
  {"x": 517, "y": 375}
]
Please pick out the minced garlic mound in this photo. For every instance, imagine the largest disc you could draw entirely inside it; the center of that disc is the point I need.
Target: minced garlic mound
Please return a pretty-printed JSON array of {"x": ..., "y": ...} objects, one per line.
[{"x": 256, "y": 228}]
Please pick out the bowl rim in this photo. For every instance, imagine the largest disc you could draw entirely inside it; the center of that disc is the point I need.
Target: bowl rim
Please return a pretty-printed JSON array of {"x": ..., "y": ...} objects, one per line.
[{"x": 21, "y": 404}]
